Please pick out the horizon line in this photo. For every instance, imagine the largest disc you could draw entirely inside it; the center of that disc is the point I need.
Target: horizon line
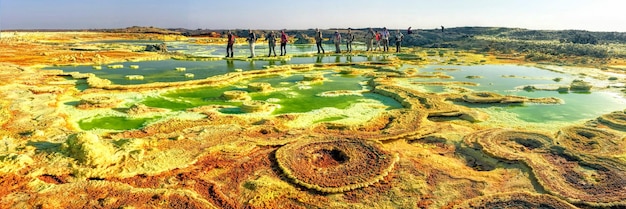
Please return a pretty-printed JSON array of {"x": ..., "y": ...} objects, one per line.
[{"x": 338, "y": 28}]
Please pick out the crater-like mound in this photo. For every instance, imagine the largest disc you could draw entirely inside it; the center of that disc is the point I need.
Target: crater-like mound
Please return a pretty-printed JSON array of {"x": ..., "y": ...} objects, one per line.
[
  {"x": 335, "y": 165},
  {"x": 592, "y": 141},
  {"x": 515, "y": 200},
  {"x": 510, "y": 144},
  {"x": 587, "y": 179}
]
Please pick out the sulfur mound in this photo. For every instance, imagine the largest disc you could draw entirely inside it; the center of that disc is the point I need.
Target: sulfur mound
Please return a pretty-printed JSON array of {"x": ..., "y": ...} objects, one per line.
[
  {"x": 141, "y": 109},
  {"x": 483, "y": 97},
  {"x": 88, "y": 102},
  {"x": 515, "y": 200},
  {"x": 615, "y": 119},
  {"x": 313, "y": 77},
  {"x": 580, "y": 86},
  {"x": 593, "y": 141},
  {"x": 335, "y": 165},
  {"x": 235, "y": 95},
  {"x": 256, "y": 106},
  {"x": 89, "y": 150},
  {"x": 259, "y": 86}
]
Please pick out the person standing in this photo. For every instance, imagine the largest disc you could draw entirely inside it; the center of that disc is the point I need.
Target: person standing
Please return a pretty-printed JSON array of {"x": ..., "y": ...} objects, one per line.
[
  {"x": 229, "y": 46},
  {"x": 271, "y": 40},
  {"x": 337, "y": 41},
  {"x": 399, "y": 37},
  {"x": 349, "y": 40},
  {"x": 384, "y": 36},
  {"x": 283, "y": 43},
  {"x": 369, "y": 39},
  {"x": 318, "y": 40},
  {"x": 251, "y": 40},
  {"x": 377, "y": 40}
]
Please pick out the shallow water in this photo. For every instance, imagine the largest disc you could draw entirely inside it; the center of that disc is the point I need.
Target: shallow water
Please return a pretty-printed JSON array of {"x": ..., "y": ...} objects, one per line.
[
  {"x": 165, "y": 70},
  {"x": 506, "y": 80},
  {"x": 243, "y": 50},
  {"x": 296, "y": 98},
  {"x": 291, "y": 96}
]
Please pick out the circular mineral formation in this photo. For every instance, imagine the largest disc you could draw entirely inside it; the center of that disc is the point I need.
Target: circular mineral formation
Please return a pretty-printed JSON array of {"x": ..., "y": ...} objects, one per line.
[
  {"x": 235, "y": 95},
  {"x": 335, "y": 165},
  {"x": 589, "y": 179},
  {"x": 256, "y": 106},
  {"x": 615, "y": 119},
  {"x": 483, "y": 97},
  {"x": 259, "y": 86},
  {"x": 593, "y": 141},
  {"x": 515, "y": 200},
  {"x": 510, "y": 144}
]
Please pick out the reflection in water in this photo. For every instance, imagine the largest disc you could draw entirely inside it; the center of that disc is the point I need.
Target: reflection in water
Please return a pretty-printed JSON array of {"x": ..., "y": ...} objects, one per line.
[
  {"x": 349, "y": 58},
  {"x": 319, "y": 59},
  {"x": 230, "y": 65},
  {"x": 337, "y": 59}
]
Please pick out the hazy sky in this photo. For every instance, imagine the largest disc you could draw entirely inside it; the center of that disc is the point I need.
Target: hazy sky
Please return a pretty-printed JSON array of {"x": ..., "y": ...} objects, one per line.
[{"x": 594, "y": 15}]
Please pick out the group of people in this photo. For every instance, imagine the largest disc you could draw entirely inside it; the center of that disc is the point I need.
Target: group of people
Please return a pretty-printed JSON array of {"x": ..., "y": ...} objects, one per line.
[
  {"x": 252, "y": 38},
  {"x": 375, "y": 37},
  {"x": 371, "y": 36}
]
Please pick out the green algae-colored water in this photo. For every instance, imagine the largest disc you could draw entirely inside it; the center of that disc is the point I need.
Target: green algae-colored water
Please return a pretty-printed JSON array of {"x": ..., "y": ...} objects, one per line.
[
  {"x": 165, "y": 70},
  {"x": 113, "y": 123},
  {"x": 291, "y": 96}
]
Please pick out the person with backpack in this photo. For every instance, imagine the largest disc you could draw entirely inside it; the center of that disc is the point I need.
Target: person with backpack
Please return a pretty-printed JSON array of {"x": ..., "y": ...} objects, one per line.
[
  {"x": 318, "y": 40},
  {"x": 283, "y": 43},
  {"x": 251, "y": 40},
  {"x": 229, "y": 46},
  {"x": 377, "y": 41},
  {"x": 349, "y": 40},
  {"x": 271, "y": 40}
]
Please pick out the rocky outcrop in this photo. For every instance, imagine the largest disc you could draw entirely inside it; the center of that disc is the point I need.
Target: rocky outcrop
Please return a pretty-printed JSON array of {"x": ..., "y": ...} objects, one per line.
[
  {"x": 89, "y": 150},
  {"x": 156, "y": 48}
]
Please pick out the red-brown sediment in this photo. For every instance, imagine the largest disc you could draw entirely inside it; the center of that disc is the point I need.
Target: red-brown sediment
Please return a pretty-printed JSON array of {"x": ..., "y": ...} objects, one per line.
[
  {"x": 591, "y": 180},
  {"x": 515, "y": 200}
]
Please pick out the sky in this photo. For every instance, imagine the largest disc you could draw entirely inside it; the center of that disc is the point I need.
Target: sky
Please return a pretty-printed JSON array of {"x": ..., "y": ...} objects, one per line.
[{"x": 592, "y": 15}]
